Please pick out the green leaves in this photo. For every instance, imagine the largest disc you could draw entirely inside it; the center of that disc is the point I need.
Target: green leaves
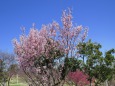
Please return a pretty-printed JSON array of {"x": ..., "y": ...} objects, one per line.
[
  {"x": 109, "y": 57},
  {"x": 96, "y": 65},
  {"x": 70, "y": 64}
]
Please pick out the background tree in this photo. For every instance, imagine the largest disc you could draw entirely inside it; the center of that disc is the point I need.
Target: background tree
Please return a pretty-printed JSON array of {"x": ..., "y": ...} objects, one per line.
[
  {"x": 12, "y": 71},
  {"x": 91, "y": 54},
  {"x": 109, "y": 62},
  {"x": 6, "y": 59},
  {"x": 95, "y": 64},
  {"x": 3, "y": 75}
]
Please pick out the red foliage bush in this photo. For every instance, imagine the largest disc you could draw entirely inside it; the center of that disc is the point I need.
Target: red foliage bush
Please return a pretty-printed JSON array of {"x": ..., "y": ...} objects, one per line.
[{"x": 79, "y": 78}]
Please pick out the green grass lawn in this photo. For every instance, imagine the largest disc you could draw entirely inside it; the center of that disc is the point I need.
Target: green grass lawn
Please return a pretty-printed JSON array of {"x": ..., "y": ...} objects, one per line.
[
  {"x": 20, "y": 82},
  {"x": 17, "y": 82}
]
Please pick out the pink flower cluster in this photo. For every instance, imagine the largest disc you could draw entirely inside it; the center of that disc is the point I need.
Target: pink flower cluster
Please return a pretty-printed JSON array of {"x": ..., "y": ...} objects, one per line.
[
  {"x": 36, "y": 43},
  {"x": 30, "y": 46}
]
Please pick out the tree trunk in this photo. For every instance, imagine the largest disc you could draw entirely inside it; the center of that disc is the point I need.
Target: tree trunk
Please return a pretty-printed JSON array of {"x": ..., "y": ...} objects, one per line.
[
  {"x": 106, "y": 83},
  {"x": 9, "y": 82},
  {"x": 4, "y": 84},
  {"x": 90, "y": 81}
]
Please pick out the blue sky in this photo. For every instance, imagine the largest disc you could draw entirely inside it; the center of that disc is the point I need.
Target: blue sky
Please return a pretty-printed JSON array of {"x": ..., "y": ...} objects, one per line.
[{"x": 98, "y": 15}]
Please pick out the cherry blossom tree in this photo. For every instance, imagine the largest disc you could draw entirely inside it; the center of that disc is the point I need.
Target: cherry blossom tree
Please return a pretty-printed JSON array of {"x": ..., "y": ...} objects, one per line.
[{"x": 43, "y": 53}]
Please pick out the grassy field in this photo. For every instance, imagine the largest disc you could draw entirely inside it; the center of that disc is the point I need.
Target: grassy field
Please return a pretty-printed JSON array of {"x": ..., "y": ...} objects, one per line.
[{"x": 17, "y": 82}]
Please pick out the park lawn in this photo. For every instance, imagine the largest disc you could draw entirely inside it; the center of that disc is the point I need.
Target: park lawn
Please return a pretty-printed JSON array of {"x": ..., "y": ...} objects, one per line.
[{"x": 17, "y": 82}]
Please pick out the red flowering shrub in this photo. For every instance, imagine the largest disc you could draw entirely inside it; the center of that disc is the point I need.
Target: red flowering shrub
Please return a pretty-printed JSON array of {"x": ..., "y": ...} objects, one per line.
[{"x": 79, "y": 78}]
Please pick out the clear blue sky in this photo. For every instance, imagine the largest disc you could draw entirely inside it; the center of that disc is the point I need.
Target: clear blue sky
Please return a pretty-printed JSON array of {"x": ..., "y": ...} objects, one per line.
[{"x": 98, "y": 15}]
